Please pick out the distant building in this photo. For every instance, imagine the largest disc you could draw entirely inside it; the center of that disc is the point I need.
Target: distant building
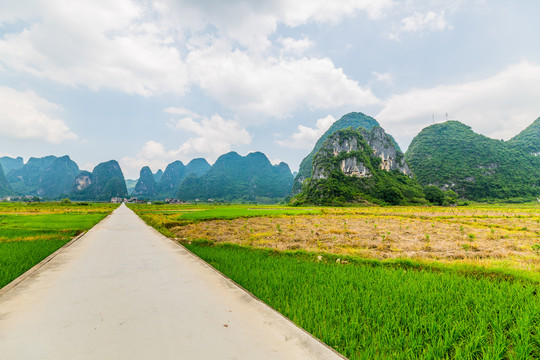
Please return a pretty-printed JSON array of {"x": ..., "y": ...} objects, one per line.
[{"x": 117, "y": 200}]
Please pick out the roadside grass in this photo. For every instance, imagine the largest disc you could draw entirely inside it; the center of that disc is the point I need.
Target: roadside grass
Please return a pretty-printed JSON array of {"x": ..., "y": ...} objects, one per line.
[
  {"x": 377, "y": 310},
  {"x": 17, "y": 257},
  {"x": 31, "y": 232},
  {"x": 29, "y": 227}
]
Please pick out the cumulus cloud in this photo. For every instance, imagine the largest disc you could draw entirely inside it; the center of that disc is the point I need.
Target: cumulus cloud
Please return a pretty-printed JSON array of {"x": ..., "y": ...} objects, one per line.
[
  {"x": 97, "y": 44},
  {"x": 305, "y": 137},
  {"x": 499, "y": 106},
  {"x": 251, "y": 22},
  {"x": 167, "y": 46},
  {"x": 214, "y": 136},
  {"x": 152, "y": 154},
  {"x": 26, "y": 115},
  {"x": 274, "y": 86}
]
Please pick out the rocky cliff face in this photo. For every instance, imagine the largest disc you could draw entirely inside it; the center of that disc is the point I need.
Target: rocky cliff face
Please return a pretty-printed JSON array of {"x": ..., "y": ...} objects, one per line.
[
  {"x": 383, "y": 146},
  {"x": 357, "y": 166},
  {"x": 82, "y": 181},
  {"x": 352, "y": 120},
  {"x": 346, "y": 147}
]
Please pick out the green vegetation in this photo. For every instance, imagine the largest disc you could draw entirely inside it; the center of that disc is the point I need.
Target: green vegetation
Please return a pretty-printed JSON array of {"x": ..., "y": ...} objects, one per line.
[
  {"x": 9, "y": 163},
  {"x": 165, "y": 217},
  {"x": 228, "y": 213},
  {"x": 439, "y": 197},
  {"x": 351, "y": 120},
  {"x": 243, "y": 179},
  {"x": 334, "y": 187},
  {"x": 19, "y": 256},
  {"x": 5, "y": 188},
  {"x": 458, "y": 282},
  {"x": 31, "y": 232},
  {"x": 57, "y": 179},
  {"x": 528, "y": 140},
  {"x": 175, "y": 173},
  {"x": 380, "y": 310},
  {"x": 105, "y": 181},
  {"x": 47, "y": 176},
  {"x": 146, "y": 186},
  {"x": 452, "y": 156}
]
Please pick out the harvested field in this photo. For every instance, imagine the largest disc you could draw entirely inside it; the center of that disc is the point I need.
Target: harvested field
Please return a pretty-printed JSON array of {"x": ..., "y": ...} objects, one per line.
[{"x": 491, "y": 235}]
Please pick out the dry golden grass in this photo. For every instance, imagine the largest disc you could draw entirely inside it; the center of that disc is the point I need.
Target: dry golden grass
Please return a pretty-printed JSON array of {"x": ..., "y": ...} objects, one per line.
[{"x": 490, "y": 235}]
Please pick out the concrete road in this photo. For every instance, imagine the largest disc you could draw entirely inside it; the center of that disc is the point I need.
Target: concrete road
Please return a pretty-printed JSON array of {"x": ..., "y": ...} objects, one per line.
[{"x": 124, "y": 291}]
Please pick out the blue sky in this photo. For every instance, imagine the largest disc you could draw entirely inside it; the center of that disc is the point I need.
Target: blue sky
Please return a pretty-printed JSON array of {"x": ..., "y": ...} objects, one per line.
[{"x": 150, "y": 82}]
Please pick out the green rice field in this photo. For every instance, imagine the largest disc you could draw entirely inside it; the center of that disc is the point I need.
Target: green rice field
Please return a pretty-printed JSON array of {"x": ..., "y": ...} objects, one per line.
[
  {"x": 31, "y": 232},
  {"x": 382, "y": 282},
  {"x": 376, "y": 311}
]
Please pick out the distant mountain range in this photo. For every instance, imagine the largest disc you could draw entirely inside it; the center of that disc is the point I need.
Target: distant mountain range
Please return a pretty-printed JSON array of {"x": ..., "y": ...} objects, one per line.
[
  {"x": 53, "y": 177},
  {"x": 355, "y": 160},
  {"x": 239, "y": 178}
]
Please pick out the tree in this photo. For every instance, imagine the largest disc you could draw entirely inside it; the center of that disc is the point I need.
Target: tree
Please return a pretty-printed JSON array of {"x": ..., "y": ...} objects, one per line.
[{"x": 434, "y": 195}]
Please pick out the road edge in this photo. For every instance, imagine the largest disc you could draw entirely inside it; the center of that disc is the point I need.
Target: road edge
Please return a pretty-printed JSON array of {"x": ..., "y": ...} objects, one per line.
[
  {"x": 197, "y": 258},
  {"x": 40, "y": 264}
]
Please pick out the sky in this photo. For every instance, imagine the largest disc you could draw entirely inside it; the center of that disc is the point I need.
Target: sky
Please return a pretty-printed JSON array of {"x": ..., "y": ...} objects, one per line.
[{"x": 150, "y": 82}]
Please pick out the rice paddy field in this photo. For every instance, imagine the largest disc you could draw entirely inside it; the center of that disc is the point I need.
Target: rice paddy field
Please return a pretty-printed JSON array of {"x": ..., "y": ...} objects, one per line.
[
  {"x": 382, "y": 282},
  {"x": 29, "y": 232}
]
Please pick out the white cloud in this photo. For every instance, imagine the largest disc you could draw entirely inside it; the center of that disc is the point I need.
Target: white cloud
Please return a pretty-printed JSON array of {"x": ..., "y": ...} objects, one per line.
[
  {"x": 142, "y": 48},
  {"x": 273, "y": 86},
  {"x": 306, "y": 137},
  {"x": 301, "y": 11},
  {"x": 291, "y": 46},
  {"x": 499, "y": 106},
  {"x": 214, "y": 135},
  {"x": 430, "y": 21},
  {"x": 26, "y": 115},
  {"x": 251, "y": 22},
  {"x": 97, "y": 44}
]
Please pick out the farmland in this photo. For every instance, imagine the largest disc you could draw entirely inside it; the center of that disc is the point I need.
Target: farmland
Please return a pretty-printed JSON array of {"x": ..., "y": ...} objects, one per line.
[
  {"x": 385, "y": 282},
  {"x": 31, "y": 232},
  {"x": 503, "y": 237}
]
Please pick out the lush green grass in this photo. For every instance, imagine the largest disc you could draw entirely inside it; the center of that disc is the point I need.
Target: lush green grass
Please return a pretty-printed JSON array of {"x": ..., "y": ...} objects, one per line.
[
  {"x": 389, "y": 311},
  {"x": 229, "y": 213},
  {"x": 65, "y": 226},
  {"x": 18, "y": 256},
  {"x": 31, "y": 232},
  {"x": 165, "y": 217}
]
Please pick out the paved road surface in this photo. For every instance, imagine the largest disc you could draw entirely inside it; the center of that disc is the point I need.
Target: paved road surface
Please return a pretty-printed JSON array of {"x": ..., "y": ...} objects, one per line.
[{"x": 123, "y": 291}]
